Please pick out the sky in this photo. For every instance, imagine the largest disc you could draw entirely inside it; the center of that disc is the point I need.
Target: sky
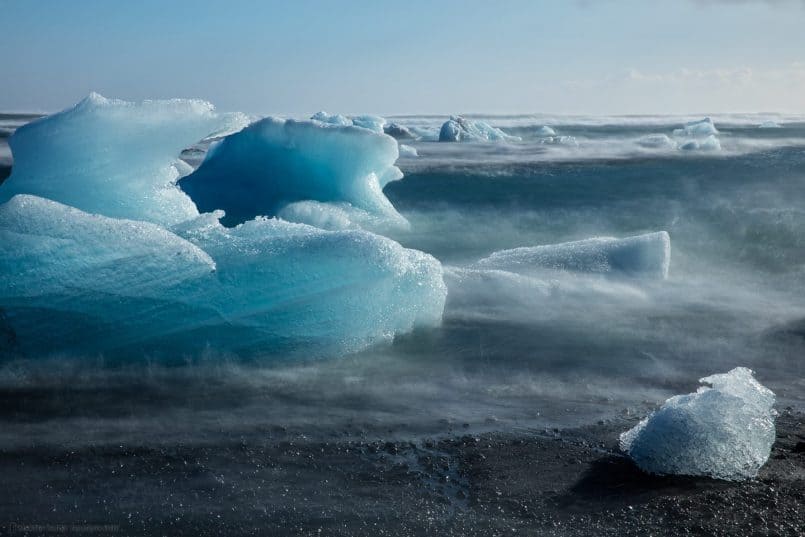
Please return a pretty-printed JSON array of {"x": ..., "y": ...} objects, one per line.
[{"x": 413, "y": 56}]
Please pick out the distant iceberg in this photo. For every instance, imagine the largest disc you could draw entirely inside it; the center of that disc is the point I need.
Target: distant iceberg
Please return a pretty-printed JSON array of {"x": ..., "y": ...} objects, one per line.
[
  {"x": 711, "y": 143},
  {"x": 657, "y": 141},
  {"x": 725, "y": 430},
  {"x": 372, "y": 123},
  {"x": 273, "y": 163},
  {"x": 769, "y": 125},
  {"x": 698, "y": 136},
  {"x": 646, "y": 256},
  {"x": 697, "y": 129},
  {"x": 459, "y": 129},
  {"x": 399, "y": 132}
]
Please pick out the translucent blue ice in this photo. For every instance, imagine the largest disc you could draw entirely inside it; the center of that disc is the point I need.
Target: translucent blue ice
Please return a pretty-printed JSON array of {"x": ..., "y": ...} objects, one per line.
[
  {"x": 724, "y": 430},
  {"x": 711, "y": 143},
  {"x": 399, "y": 132},
  {"x": 166, "y": 281},
  {"x": 372, "y": 123},
  {"x": 698, "y": 136},
  {"x": 459, "y": 129},
  {"x": 645, "y": 256},
  {"x": 113, "y": 157},
  {"x": 73, "y": 281},
  {"x": 332, "y": 119},
  {"x": 273, "y": 163}
]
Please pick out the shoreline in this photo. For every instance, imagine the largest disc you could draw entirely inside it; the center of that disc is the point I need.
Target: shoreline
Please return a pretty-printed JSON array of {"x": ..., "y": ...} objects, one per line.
[{"x": 571, "y": 482}]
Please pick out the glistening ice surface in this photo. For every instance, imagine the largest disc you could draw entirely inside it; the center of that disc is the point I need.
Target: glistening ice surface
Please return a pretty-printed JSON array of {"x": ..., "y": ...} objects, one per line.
[
  {"x": 81, "y": 283},
  {"x": 525, "y": 348},
  {"x": 724, "y": 430}
]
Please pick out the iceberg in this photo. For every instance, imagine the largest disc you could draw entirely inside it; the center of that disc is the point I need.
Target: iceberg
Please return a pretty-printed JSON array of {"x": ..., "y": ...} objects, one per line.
[
  {"x": 769, "y": 125},
  {"x": 711, "y": 143},
  {"x": 645, "y": 256},
  {"x": 724, "y": 430},
  {"x": 372, "y": 123},
  {"x": 399, "y": 132},
  {"x": 657, "y": 141},
  {"x": 69, "y": 279},
  {"x": 115, "y": 158},
  {"x": 168, "y": 282},
  {"x": 301, "y": 289},
  {"x": 458, "y": 129},
  {"x": 273, "y": 163},
  {"x": 331, "y": 119},
  {"x": 93, "y": 284},
  {"x": 697, "y": 129}
]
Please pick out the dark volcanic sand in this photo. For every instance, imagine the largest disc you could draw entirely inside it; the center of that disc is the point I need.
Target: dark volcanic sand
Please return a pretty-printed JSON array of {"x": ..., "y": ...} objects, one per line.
[{"x": 278, "y": 482}]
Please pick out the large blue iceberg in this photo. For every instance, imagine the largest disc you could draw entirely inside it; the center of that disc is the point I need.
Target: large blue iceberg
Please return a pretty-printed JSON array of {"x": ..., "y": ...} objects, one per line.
[
  {"x": 109, "y": 266},
  {"x": 274, "y": 163},
  {"x": 113, "y": 157}
]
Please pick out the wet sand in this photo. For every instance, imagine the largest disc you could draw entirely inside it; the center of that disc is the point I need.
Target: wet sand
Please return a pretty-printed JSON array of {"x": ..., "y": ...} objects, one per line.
[{"x": 275, "y": 481}]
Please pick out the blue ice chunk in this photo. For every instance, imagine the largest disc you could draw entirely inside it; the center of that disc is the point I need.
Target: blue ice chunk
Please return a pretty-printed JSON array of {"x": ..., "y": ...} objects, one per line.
[
  {"x": 73, "y": 282},
  {"x": 372, "y": 123},
  {"x": 314, "y": 291},
  {"x": 113, "y": 157},
  {"x": 657, "y": 141},
  {"x": 711, "y": 143},
  {"x": 645, "y": 256},
  {"x": 399, "y": 132},
  {"x": 459, "y": 129},
  {"x": 70, "y": 280},
  {"x": 331, "y": 119},
  {"x": 273, "y": 163},
  {"x": 724, "y": 430},
  {"x": 697, "y": 129},
  {"x": 769, "y": 124}
]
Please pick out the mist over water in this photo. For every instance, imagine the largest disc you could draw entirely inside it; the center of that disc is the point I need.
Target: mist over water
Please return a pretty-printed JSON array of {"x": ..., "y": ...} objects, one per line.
[{"x": 543, "y": 350}]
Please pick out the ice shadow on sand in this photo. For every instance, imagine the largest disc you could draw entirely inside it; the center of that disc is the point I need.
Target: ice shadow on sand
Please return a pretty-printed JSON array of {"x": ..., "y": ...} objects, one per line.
[{"x": 615, "y": 481}]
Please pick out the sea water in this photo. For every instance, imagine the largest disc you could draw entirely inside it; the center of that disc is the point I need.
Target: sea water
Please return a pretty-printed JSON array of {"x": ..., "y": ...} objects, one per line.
[{"x": 553, "y": 347}]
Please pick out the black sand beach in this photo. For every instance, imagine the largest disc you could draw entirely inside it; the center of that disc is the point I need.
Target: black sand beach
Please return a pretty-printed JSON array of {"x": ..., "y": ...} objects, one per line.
[{"x": 277, "y": 481}]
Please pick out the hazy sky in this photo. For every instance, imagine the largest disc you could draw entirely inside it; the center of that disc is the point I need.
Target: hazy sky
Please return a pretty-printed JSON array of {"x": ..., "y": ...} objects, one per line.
[{"x": 417, "y": 56}]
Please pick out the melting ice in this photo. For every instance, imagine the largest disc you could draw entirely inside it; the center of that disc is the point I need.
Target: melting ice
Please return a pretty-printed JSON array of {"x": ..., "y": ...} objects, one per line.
[
  {"x": 101, "y": 251},
  {"x": 723, "y": 430}
]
